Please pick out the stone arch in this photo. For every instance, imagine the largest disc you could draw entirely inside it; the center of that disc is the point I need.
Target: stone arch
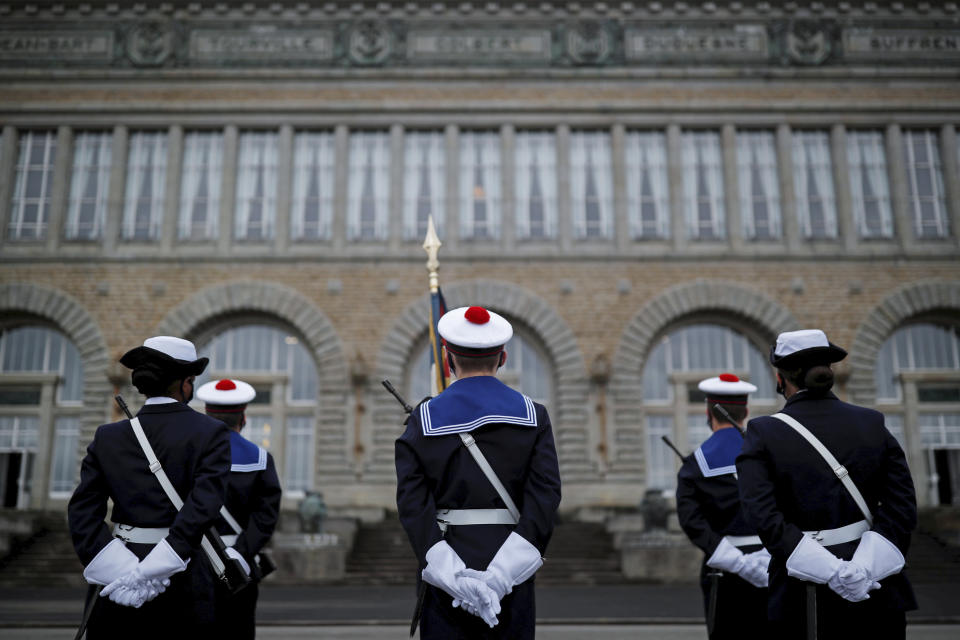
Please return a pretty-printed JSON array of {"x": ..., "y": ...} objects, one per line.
[
  {"x": 903, "y": 304},
  {"x": 569, "y": 413},
  {"x": 71, "y": 318},
  {"x": 764, "y": 314},
  {"x": 290, "y": 306}
]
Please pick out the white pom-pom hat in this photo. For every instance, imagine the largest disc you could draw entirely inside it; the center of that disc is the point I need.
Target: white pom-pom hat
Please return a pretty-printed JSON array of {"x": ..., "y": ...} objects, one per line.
[
  {"x": 226, "y": 393},
  {"x": 474, "y": 332}
]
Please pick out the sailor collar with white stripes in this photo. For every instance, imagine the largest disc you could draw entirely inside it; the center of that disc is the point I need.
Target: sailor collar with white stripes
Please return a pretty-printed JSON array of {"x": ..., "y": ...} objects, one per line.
[
  {"x": 246, "y": 456},
  {"x": 717, "y": 456},
  {"x": 473, "y": 402}
]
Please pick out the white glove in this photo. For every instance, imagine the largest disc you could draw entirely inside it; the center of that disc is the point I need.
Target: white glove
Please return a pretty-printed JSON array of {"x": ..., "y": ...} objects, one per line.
[
  {"x": 754, "y": 568},
  {"x": 515, "y": 562},
  {"x": 113, "y": 561},
  {"x": 233, "y": 553},
  {"x": 812, "y": 562},
  {"x": 852, "y": 582},
  {"x": 443, "y": 565},
  {"x": 726, "y": 557},
  {"x": 880, "y": 557},
  {"x": 148, "y": 579}
]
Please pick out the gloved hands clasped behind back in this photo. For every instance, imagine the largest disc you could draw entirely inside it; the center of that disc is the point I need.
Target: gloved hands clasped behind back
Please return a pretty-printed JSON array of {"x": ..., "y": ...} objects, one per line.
[{"x": 148, "y": 579}]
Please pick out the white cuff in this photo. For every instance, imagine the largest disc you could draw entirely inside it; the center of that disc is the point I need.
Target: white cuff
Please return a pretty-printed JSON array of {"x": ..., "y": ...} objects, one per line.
[
  {"x": 811, "y": 561},
  {"x": 161, "y": 562},
  {"x": 726, "y": 557},
  {"x": 516, "y": 561},
  {"x": 880, "y": 557},
  {"x": 233, "y": 553},
  {"x": 443, "y": 563},
  {"x": 113, "y": 561}
]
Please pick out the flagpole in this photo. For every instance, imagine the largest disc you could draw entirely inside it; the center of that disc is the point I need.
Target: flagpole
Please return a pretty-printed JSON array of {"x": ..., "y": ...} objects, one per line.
[{"x": 432, "y": 244}]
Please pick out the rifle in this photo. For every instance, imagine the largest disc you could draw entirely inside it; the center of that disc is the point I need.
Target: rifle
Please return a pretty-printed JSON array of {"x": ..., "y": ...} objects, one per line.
[
  {"x": 726, "y": 416},
  {"x": 228, "y": 571},
  {"x": 666, "y": 441},
  {"x": 422, "y": 589}
]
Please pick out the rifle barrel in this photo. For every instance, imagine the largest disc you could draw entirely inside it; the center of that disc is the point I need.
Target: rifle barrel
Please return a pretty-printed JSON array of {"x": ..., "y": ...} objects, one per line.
[
  {"x": 666, "y": 441},
  {"x": 396, "y": 394}
]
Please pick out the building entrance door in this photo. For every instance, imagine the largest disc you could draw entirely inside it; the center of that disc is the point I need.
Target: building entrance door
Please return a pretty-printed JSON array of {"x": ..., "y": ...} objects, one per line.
[
  {"x": 946, "y": 467},
  {"x": 12, "y": 479}
]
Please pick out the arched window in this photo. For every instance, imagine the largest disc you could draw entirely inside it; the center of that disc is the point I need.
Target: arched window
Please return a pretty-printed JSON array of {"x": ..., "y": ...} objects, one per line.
[
  {"x": 282, "y": 418},
  {"x": 673, "y": 405},
  {"x": 41, "y": 399},
  {"x": 527, "y": 370},
  {"x": 917, "y": 378}
]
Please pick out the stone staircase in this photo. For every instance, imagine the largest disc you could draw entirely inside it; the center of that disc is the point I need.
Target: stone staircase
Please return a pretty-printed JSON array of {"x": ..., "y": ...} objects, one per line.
[
  {"x": 929, "y": 561},
  {"x": 45, "y": 559},
  {"x": 579, "y": 554}
]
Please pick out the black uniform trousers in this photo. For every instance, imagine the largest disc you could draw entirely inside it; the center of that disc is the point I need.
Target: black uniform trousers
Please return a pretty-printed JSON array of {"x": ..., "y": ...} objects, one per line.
[
  {"x": 237, "y": 613},
  {"x": 741, "y": 612},
  {"x": 838, "y": 619},
  {"x": 518, "y": 617}
]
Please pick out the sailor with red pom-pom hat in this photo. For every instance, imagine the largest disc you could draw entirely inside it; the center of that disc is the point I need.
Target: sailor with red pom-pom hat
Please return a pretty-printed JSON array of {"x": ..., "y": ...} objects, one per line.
[
  {"x": 252, "y": 502},
  {"x": 734, "y": 572},
  {"x": 478, "y": 485}
]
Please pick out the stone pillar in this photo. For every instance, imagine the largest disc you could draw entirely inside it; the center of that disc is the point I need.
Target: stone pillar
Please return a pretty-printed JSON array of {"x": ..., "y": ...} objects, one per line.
[
  {"x": 675, "y": 181},
  {"x": 8, "y": 161},
  {"x": 450, "y": 234},
  {"x": 564, "y": 203},
  {"x": 731, "y": 189},
  {"x": 341, "y": 154},
  {"x": 951, "y": 177},
  {"x": 228, "y": 189},
  {"x": 508, "y": 169},
  {"x": 116, "y": 189},
  {"x": 621, "y": 212},
  {"x": 899, "y": 193},
  {"x": 847, "y": 229},
  {"x": 284, "y": 188},
  {"x": 788, "y": 196},
  {"x": 171, "y": 199},
  {"x": 60, "y": 190},
  {"x": 395, "y": 201}
]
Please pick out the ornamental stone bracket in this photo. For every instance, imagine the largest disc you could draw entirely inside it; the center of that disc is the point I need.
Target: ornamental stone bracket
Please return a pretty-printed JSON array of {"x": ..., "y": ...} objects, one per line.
[{"x": 535, "y": 42}]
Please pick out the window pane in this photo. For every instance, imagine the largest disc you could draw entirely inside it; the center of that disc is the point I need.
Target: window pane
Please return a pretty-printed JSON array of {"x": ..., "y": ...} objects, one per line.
[
  {"x": 536, "y": 184},
  {"x": 925, "y": 184},
  {"x": 42, "y": 350},
  {"x": 868, "y": 184},
  {"x": 64, "y": 467},
  {"x": 648, "y": 194},
  {"x": 256, "y": 186},
  {"x": 20, "y": 395},
  {"x": 368, "y": 185},
  {"x": 146, "y": 186},
  {"x": 424, "y": 183},
  {"x": 480, "y": 188},
  {"x": 591, "y": 184},
  {"x": 660, "y": 469},
  {"x": 200, "y": 185},
  {"x": 813, "y": 184},
  {"x": 259, "y": 430},
  {"x": 30, "y": 207},
  {"x": 89, "y": 185},
  {"x": 299, "y": 464},
  {"x": 703, "y": 185},
  {"x": 759, "y": 184},
  {"x": 916, "y": 346}
]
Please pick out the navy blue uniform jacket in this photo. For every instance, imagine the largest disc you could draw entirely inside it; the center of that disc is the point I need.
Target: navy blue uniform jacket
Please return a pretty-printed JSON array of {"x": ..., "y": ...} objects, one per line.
[
  {"x": 194, "y": 450},
  {"x": 437, "y": 472},
  {"x": 253, "y": 496},
  {"x": 786, "y": 488}
]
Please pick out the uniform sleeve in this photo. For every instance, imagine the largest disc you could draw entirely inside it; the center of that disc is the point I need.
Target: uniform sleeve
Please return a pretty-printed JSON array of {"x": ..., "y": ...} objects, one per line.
[
  {"x": 88, "y": 508},
  {"x": 896, "y": 515},
  {"x": 264, "y": 511},
  {"x": 415, "y": 504},
  {"x": 758, "y": 499},
  {"x": 541, "y": 492},
  {"x": 691, "y": 517},
  {"x": 202, "y": 505}
]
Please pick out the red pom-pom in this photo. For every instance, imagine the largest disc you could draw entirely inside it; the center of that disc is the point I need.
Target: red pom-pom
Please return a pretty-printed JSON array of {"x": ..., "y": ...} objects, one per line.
[
  {"x": 729, "y": 377},
  {"x": 477, "y": 315},
  {"x": 226, "y": 385}
]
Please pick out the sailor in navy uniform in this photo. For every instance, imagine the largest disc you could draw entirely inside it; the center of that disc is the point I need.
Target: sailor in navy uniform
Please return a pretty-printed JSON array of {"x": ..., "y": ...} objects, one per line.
[
  {"x": 844, "y": 524},
  {"x": 157, "y": 584},
  {"x": 252, "y": 501},
  {"x": 476, "y": 558},
  {"x": 734, "y": 572}
]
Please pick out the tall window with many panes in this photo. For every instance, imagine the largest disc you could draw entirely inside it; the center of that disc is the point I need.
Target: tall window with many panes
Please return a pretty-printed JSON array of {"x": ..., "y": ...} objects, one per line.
[
  {"x": 424, "y": 183},
  {"x": 200, "y": 185},
  {"x": 813, "y": 185},
  {"x": 256, "y": 203},
  {"x": 89, "y": 185},
  {"x": 368, "y": 185},
  {"x": 591, "y": 184},
  {"x": 674, "y": 406},
  {"x": 480, "y": 185},
  {"x": 32, "y": 184},
  {"x": 869, "y": 185},
  {"x": 41, "y": 401},
  {"x": 648, "y": 191},
  {"x": 925, "y": 190},
  {"x": 312, "y": 202},
  {"x": 282, "y": 417},
  {"x": 535, "y": 174},
  {"x": 759, "y": 185},
  {"x": 703, "y": 185},
  {"x": 146, "y": 186}
]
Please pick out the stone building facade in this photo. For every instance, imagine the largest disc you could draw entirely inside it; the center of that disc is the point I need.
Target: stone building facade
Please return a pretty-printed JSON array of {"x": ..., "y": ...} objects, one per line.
[{"x": 650, "y": 191}]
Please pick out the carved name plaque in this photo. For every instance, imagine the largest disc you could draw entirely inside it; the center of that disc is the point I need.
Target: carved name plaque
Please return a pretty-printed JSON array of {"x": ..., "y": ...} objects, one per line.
[
  {"x": 53, "y": 45},
  {"x": 477, "y": 46},
  {"x": 741, "y": 43},
  {"x": 210, "y": 45},
  {"x": 873, "y": 44}
]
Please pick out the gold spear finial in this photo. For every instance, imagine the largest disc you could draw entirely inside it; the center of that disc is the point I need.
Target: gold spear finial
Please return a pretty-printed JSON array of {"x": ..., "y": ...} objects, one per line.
[{"x": 431, "y": 244}]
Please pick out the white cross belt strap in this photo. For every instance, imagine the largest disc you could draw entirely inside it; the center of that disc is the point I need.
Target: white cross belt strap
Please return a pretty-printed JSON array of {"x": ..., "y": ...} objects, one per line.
[
  {"x": 139, "y": 535},
  {"x": 491, "y": 476},
  {"x": 171, "y": 492},
  {"x": 838, "y": 469},
  {"x": 849, "y": 533},
  {"x": 474, "y": 516}
]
